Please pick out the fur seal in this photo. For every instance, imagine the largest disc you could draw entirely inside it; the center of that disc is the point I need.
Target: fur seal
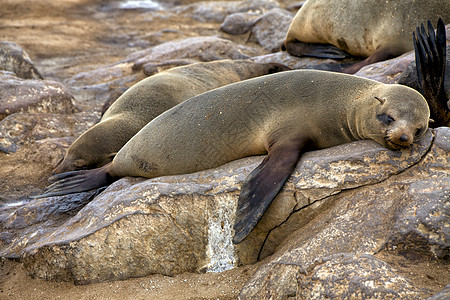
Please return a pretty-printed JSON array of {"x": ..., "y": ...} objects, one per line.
[
  {"x": 147, "y": 99},
  {"x": 283, "y": 115},
  {"x": 376, "y": 29}
]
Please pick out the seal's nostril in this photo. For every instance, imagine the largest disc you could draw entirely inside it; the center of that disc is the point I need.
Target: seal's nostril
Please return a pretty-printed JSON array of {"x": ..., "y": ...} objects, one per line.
[{"x": 404, "y": 138}]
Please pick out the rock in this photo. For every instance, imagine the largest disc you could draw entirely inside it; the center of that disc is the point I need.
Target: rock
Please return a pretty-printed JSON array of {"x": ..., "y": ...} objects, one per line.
[
  {"x": 217, "y": 11},
  {"x": 270, "y": 30},
  {"x": 33, "y": 96},
  {"x": 419, "y": 229},
  {"x": 197, "y": 48},
  {"x": 442, "y": 295},
  {"x": 239, "y": 23},
  {"x": 367, "y": 220},
  {"x": 387, "y": 71},
  {"x": 26, "y": 171},
  {"x": 25, "y": 128},
  {"x": 14, "y": 59},
  {"x": 347, "y": 276},
  {"x": 31, "y": 146},
  {"x": 290, "y": 61},
  {"x": 184, "y": 223}
]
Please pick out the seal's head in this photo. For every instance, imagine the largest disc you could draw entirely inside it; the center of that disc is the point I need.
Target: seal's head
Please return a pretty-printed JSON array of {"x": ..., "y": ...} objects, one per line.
[{"x": 401, "y": 116}]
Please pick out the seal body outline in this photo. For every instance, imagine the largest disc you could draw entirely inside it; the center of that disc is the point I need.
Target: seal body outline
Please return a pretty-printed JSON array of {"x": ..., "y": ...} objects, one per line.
[{"x": 283, "y": 115}]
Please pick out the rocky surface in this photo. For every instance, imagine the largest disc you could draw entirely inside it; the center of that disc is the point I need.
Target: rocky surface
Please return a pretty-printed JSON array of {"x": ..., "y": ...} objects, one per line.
[
  {"x": 347, "y": 212},
  {"x": 14, "y": 59},
  {"x": 405, "y": 215},
  {"x": 183, "y": 223}
]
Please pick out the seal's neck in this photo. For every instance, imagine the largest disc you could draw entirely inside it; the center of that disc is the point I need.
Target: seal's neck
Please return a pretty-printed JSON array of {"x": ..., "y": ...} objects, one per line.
[{"x": 361, "y": 110}]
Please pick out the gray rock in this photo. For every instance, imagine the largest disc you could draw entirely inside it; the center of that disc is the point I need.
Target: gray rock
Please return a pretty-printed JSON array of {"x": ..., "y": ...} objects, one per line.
[
  {"x": 197, "y": 48},
  {"x": 347, "y": 276},
  {"x": 33, "y": 96},
  {"x": 26, "y": 170},
  {"x": 270, "y": 30},
  {"x": 184, "y": 223},
  {"x": 239, "y": 23},
  {"x": 14, "y": 59},
  {"x": 293, "y": 62},
  {"x": 387, "y": 71},
  {"x": 19, "y": 129},
  {"x": 367, "y": 220},
  {"x": 442, "y": 295},
  {"x": 217, "y": 11}
]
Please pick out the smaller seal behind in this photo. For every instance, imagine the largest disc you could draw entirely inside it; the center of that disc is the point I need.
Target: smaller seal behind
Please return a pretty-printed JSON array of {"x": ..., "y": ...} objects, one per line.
[{"x": 149, "y": 98}]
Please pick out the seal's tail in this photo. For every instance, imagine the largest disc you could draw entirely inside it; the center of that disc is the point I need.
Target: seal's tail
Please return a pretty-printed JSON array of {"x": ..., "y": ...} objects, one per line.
[{"x": 77, "y": 181}]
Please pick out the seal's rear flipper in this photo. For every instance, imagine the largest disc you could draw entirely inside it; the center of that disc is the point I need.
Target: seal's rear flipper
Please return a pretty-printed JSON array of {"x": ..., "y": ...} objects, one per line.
[
  {"x": 430, "y": 64},
  {"x": 76, "y": 182},
  {"x": 264, "y": 183},
  {"x": 314, "y": 50},
  {"x": 378, "y": 55}
]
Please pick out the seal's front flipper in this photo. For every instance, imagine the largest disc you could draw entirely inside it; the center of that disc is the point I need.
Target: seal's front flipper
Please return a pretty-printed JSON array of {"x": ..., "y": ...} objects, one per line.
[
  {"x": 430, "y": 64},
  {"x": 297, "y": 48},
  {"x": 264, "y": 183},
  {"x": 77, "y": 181}
]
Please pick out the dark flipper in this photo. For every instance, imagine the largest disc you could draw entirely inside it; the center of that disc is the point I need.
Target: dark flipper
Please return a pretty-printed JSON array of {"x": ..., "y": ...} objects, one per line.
[
  {"x": 76, "y": 182},
  {"x": 430, "y": 63},
  {"x": 379, "y": 55},
  {"x": 264, "y": 183},
  {"x": 315, "y": 50}
]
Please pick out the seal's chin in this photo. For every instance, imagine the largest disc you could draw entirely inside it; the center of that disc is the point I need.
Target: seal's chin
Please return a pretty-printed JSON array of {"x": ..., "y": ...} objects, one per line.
[{"x": 392, "y": 145}]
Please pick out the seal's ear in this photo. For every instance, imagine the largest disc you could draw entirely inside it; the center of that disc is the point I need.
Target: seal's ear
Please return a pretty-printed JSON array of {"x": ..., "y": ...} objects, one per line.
[
  {"x": 111, "y": 155},
  {"x": 382, "y": 101}
]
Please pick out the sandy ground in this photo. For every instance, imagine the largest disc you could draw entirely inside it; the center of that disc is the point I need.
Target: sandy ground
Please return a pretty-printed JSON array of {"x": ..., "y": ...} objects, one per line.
[{"x": 16, "y": 284}]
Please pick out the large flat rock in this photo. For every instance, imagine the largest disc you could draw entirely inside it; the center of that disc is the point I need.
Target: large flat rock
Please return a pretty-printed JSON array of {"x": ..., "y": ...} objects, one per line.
[{"x": 183, "y": 223}]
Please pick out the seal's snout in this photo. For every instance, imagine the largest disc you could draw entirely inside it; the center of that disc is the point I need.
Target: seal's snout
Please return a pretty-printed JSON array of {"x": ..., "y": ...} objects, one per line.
[
  {"x": 399, "y": 138},
  {"x": 404, "y": 138}
]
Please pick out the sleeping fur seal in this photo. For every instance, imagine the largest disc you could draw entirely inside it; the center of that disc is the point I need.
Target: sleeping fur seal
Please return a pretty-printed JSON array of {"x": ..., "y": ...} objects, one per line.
[
  {"x": 147, "y": 99},
  {"x": 283, "y": 114},
  {"x": 376, "y": 29}
]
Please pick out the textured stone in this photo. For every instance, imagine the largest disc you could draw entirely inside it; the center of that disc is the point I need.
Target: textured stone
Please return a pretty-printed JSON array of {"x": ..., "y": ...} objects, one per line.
[
  {"x": 14, "y": 59},
  {"x": 346, "y": 276},
  {"x": 119, "y": 233},
  {"x": 406, "y": 214},
  {"x": 217, "y": 11},
  {"x": 19, "y": 129},
  {"x": 239, "y": 23},
  {"x": 270, "y": 30},
  {"x": 387, "y": 71},
  {"x": 442, "y": 295},
  {"x": 33, "y": 96},
  {"x": 197, "y": 48}
]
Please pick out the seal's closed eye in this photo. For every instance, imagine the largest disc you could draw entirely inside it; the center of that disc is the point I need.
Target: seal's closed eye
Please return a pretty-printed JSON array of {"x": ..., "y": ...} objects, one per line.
[
  {"x": 419, "y": 132},
  {"x": 386, "y": 119}
]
